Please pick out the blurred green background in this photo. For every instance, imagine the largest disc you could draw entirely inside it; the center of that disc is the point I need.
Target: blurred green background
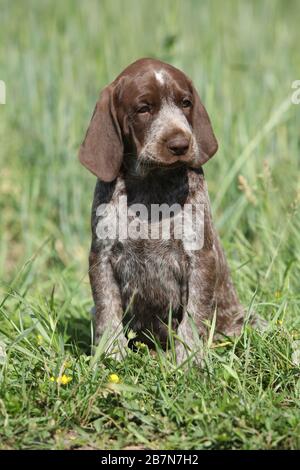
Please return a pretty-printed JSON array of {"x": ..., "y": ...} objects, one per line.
[{"x": 55, "y": 56}]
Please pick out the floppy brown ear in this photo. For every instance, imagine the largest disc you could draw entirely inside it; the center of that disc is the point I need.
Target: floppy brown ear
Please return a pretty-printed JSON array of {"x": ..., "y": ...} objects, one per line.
[
  {"x": 102, "y": 149},
  {"x": 203, "y": 130}
]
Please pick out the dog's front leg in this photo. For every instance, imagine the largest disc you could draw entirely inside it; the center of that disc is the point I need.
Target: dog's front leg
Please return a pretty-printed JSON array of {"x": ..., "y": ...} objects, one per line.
[
  {"x": 108, "y": 305},
  {"x": 193, "y": 327}
]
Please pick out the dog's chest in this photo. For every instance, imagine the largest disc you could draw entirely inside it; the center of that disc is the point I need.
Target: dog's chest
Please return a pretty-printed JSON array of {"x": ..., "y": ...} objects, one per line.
[
  {"x": 152, "y": 274},
  {"x": 152, "y": 269}
]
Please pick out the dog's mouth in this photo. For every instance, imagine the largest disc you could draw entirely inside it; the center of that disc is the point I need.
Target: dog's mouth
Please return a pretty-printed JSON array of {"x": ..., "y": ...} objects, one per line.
[
  {"x": 156, "y": 163},
  {"x": 149, "y": 166},
  {"x": 146, "y": 164}
]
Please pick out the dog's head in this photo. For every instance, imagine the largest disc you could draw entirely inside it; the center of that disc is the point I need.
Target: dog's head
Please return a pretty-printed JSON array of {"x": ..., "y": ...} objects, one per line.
[{"x": 151, "y": 116}]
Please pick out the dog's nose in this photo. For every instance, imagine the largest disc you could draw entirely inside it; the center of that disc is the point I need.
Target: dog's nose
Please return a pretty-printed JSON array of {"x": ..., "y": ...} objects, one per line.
[{"x": 178, "y": 145}]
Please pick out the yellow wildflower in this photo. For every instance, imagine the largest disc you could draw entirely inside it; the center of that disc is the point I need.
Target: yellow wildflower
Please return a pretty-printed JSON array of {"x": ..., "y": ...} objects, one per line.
[
  {"x": 63, "y": 380},
  {"x": 279, "y": 322},
  {"x": 114, "y": 378},
  {"x": 39, "y": 339},
  {"x": 278, "y": 294},
  {"x": 140, "y": 345}
]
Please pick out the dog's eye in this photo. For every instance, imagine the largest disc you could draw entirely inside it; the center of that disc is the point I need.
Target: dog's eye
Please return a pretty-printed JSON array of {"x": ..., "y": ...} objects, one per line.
[
  {"x": 144, "y": 109},
  {"x": 186, "y": 103}
]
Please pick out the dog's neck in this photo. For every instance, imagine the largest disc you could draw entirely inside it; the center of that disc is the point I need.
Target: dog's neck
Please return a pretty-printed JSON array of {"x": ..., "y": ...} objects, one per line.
[{"x": 157, "y": 186}]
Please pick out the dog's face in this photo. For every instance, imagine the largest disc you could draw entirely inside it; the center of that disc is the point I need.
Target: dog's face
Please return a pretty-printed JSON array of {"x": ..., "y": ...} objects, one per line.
[
  {"x": 150, "y": 116},
  {"x": 156, "y": 112}
]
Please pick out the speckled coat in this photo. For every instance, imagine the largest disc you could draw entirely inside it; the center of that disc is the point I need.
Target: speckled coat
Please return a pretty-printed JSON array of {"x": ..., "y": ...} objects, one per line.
[{"x": 153, "y": 153}]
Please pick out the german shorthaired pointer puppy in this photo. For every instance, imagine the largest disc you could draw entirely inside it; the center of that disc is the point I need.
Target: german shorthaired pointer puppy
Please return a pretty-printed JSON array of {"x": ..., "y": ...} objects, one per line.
[{"x": 147, "y": 141}]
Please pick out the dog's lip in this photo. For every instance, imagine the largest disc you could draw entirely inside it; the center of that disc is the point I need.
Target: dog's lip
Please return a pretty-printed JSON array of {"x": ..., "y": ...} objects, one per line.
[{"x": 155, "y": 163}]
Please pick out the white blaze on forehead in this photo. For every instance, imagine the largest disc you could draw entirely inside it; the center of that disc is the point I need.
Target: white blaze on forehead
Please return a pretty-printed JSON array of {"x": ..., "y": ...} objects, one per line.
[{"x": 160, "y": 76}]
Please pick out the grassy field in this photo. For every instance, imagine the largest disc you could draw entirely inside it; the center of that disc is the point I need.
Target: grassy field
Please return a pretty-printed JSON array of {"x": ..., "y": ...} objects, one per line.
[{"x": 54, "y": 58}]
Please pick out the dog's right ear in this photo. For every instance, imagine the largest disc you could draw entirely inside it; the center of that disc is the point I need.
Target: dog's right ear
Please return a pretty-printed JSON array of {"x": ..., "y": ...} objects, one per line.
[{"x": 102, "y": 149}]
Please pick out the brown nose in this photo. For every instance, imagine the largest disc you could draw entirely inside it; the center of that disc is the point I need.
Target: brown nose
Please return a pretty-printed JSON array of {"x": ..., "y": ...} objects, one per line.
[{"x": 178, "y": 145}]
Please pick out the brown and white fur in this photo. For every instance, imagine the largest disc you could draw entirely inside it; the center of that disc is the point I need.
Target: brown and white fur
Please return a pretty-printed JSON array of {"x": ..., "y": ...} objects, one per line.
[{"x": 148, "y": 140}]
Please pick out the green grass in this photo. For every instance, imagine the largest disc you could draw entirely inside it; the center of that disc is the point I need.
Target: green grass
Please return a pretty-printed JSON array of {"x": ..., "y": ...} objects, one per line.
[{"x": 54, "y": 57}]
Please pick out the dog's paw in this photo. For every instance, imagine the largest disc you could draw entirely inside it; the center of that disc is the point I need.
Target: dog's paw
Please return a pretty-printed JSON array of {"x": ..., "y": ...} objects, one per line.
[
  {"x": 114, "y": 346},
  {"x": 259, "y": 323},
  {"x": 118, "y": 350}
]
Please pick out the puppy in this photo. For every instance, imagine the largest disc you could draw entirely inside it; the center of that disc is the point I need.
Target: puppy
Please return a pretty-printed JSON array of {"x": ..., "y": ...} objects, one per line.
[{"x": 147, "y": 141}]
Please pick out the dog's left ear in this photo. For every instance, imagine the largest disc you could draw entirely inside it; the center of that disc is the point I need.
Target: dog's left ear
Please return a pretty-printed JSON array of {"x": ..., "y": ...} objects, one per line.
[{"x": 203, "y": 130}]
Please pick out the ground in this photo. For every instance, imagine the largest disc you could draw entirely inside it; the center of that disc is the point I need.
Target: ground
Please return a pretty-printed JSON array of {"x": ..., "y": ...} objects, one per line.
[{"x": 54, "y": 58}]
